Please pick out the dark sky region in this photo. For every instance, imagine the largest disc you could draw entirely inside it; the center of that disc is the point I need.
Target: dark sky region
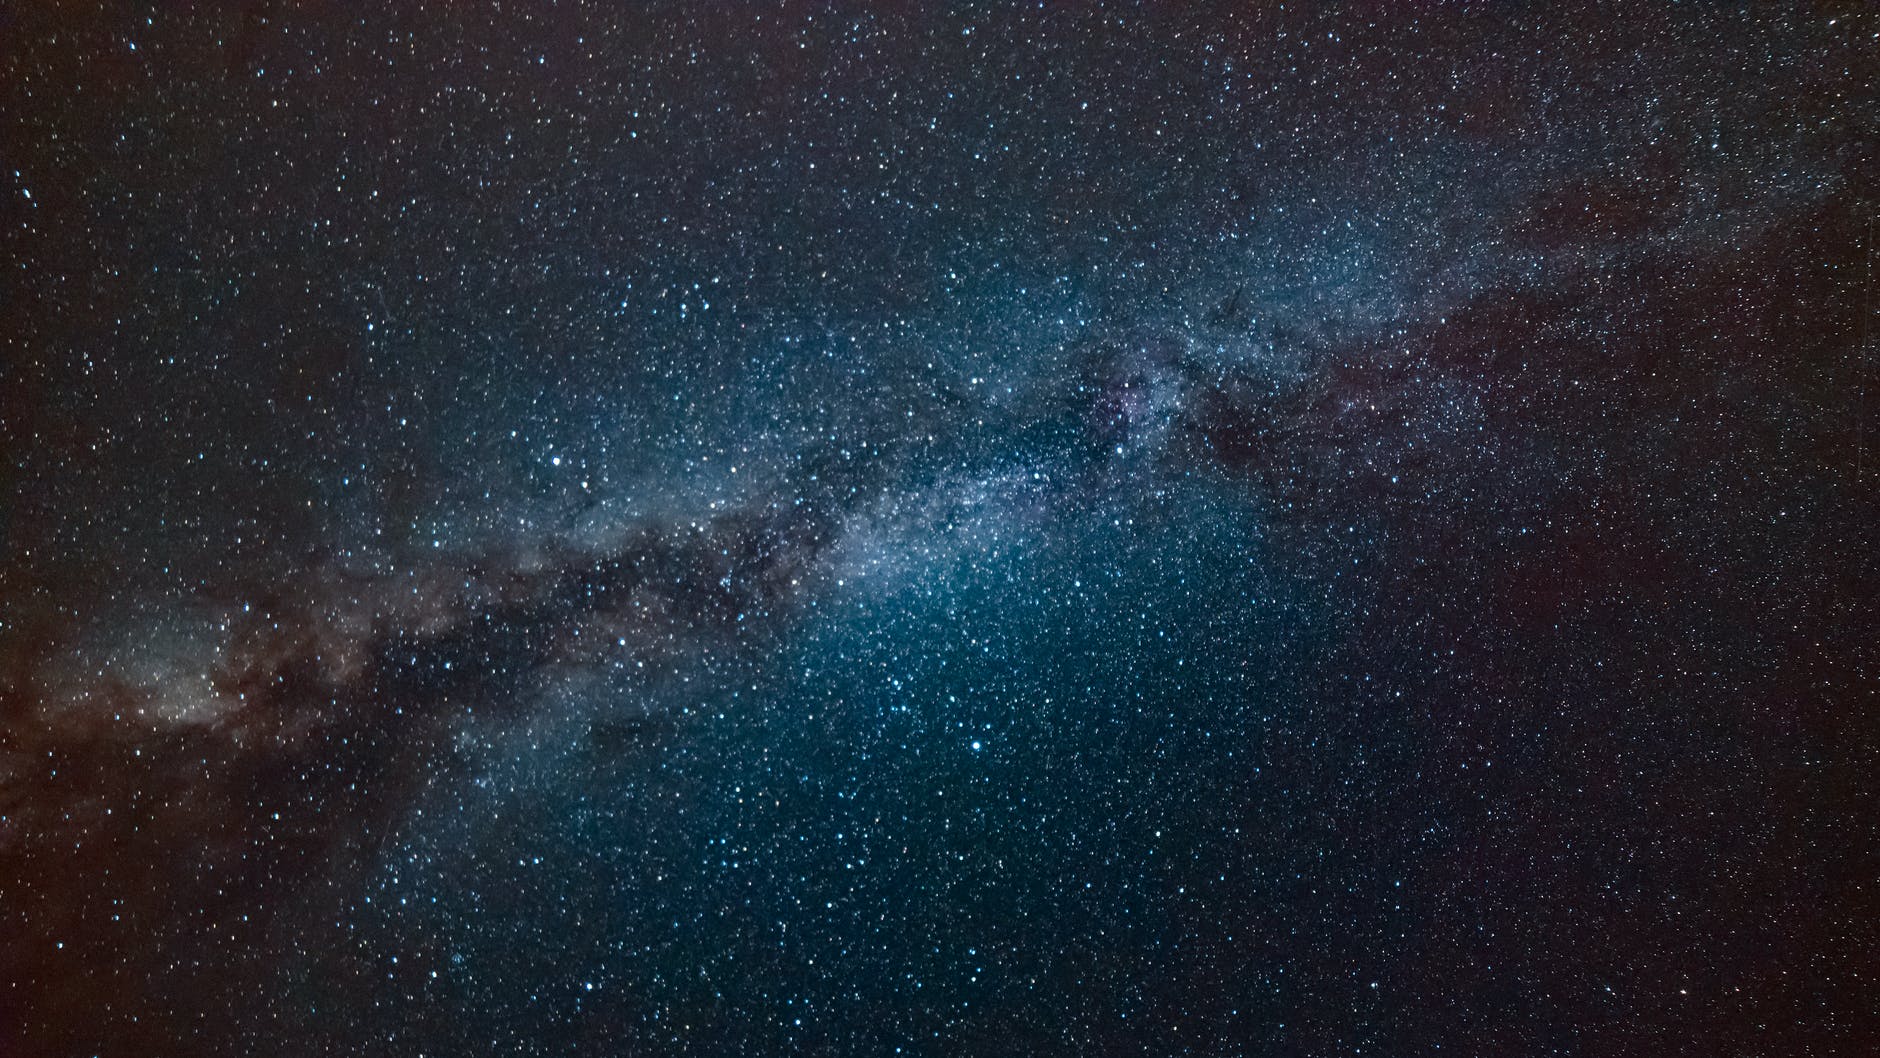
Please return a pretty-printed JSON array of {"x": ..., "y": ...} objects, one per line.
[{"x": 952, "y": 529}]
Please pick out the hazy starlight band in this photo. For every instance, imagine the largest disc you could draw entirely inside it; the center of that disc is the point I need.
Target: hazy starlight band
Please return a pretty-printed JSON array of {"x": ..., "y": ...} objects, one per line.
[{"x": 725, "y": 529}]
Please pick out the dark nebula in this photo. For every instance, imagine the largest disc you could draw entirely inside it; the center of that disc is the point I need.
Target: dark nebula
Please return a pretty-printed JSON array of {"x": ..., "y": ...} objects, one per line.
[{"x": 1036, "y": 529}]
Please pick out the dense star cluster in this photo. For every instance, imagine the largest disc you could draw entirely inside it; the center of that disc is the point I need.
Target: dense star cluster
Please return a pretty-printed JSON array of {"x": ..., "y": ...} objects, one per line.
[{"x": 952, "y": 529}]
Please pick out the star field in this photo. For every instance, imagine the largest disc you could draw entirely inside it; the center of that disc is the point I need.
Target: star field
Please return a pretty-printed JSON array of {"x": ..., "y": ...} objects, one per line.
[{"x": 754, "y": 529}]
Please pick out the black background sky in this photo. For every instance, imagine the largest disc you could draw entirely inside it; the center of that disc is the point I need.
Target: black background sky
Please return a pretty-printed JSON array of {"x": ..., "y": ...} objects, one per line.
[{"x": 866, "y": 529}]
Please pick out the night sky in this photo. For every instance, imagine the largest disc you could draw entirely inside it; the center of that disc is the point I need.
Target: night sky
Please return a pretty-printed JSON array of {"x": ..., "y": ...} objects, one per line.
[{"x": 1049, "y": 529}]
